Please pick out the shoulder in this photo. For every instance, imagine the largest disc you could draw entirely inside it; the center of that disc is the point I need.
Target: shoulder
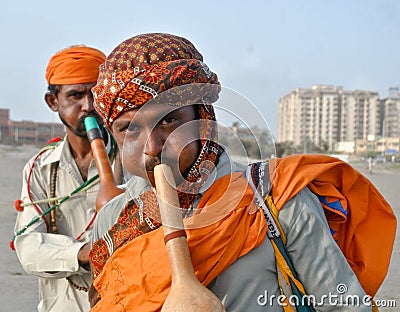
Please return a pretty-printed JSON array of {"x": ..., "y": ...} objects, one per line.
[
  {"x": 108, "y": 216},
  {"x": 303, "y": 208},
  {"x": 109, "y": 213},
  {"x": 46, "y": 155},
  {"x": 112, "y": 209}
]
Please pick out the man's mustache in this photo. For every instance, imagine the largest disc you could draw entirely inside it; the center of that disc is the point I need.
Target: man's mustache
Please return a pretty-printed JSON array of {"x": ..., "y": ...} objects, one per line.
[
  {"x": 150, "y": 163},
  {"x": 93, "y": 113}
]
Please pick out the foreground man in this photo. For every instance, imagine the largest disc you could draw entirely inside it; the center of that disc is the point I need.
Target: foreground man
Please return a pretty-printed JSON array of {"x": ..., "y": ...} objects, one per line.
[
  {"x": 56, "y": 248},
  {"x": 155, "y": 94}
]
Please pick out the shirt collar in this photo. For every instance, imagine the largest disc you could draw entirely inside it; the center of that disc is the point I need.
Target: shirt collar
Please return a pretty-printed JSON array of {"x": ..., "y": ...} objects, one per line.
[
  {"x": 62, "y": 149},
  {"x": 57, "y": 153}
]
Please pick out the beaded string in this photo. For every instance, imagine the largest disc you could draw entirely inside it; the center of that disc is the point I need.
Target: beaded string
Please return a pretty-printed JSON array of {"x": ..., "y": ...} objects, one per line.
[{"x": 76, "y": 286}]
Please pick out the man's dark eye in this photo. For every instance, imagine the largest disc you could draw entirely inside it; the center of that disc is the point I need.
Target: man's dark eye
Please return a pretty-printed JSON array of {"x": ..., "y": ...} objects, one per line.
[
  {"x": 168, "y": 120},
  {"x": 77, "y": 94},
  {"x": 121, "y": 127},
  {"x": 132, "y": 128}
]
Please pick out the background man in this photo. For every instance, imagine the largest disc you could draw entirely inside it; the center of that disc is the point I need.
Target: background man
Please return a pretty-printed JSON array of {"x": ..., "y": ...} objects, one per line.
[{"x": 56, "y": 248}]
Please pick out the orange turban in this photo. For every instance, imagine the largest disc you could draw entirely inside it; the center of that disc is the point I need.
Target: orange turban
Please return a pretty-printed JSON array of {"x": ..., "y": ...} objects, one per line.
[{"x": 77, "y": 64}]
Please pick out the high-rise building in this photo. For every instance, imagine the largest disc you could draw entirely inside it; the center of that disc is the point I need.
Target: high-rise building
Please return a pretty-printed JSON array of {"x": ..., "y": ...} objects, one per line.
[
  {"x": 360, "y": 115},
  {"x": 390, "y": 121},
  {"x": 324, "y": 115}
]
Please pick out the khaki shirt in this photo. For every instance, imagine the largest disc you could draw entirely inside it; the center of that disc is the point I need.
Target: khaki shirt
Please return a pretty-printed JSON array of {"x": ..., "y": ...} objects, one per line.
[{"x": 53, "y": 257}]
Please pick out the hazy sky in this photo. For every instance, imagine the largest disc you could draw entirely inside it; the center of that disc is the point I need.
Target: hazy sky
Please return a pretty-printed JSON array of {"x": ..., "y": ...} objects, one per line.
[{"x": 261, "y": 49}]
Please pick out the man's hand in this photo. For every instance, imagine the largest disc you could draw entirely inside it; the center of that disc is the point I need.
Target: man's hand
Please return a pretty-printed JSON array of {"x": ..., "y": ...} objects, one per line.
[{"x": 83, "y": 256}]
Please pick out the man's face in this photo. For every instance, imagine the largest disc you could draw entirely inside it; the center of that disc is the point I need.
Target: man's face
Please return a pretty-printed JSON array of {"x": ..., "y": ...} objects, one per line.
[
  {"x": 158, "y": 133},
  {"x": 73, "y": 104}
]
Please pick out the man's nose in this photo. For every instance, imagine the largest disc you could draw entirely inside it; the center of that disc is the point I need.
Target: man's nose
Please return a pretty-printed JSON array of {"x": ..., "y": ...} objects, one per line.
[
  {"x": 87, "y": 103},
  {"x": 154, "y": 144}
]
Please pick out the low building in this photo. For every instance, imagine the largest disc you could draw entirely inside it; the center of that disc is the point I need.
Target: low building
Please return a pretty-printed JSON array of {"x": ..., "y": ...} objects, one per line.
[
  {"x": 27, "y": 132},
  {"x": 382, "y": 146}
]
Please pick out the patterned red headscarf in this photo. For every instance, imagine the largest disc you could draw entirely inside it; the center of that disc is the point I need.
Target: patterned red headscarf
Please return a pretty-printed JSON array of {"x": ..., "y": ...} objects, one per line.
[{"x": 142, "y": 67}]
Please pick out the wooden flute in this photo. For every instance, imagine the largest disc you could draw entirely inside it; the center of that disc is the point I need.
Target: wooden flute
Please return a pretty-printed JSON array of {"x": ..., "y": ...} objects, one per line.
[
  {"x": 187, "y": 294},
  {"x": 108, "y": 187}
]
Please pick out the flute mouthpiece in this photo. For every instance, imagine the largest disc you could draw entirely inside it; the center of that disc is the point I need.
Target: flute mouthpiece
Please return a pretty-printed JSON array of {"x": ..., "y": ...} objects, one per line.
[{"x": 92, "y": 128}]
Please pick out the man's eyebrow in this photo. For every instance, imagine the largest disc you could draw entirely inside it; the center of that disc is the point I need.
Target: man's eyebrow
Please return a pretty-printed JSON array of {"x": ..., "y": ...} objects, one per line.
[
  {"x": 121, "y": 122},
  {"x": 75, "y": 91},
  {"x": 173, "y": 111}
]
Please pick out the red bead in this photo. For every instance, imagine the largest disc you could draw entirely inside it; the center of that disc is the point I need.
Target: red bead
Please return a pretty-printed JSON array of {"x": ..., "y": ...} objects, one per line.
[
  {"x": 12, "y": 245},
  {"x": 17, "y": 205}
]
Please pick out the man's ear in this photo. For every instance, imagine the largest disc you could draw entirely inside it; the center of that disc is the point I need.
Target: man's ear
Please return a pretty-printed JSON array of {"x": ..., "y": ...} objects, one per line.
[{"x": 51, "y": 101}]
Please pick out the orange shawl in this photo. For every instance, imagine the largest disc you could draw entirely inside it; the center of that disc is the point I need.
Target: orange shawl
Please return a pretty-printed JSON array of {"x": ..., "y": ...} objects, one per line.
[
  {"x": 364, "y": 229},
  {"x": 213, "y": 248},
  {"x": 364, "y": 225}
]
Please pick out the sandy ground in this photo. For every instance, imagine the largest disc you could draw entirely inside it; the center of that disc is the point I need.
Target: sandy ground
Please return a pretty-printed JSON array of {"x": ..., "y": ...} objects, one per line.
[{"x": 19, "y": 290}]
